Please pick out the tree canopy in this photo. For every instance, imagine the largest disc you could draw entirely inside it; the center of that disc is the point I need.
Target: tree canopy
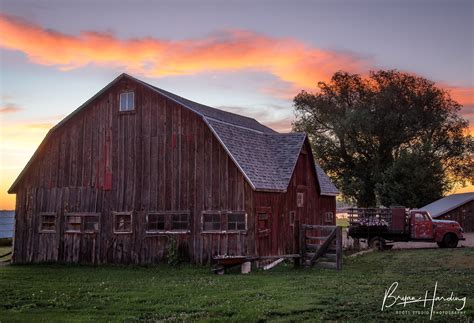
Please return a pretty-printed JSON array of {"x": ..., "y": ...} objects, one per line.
[{"x": 391, "y": 138}]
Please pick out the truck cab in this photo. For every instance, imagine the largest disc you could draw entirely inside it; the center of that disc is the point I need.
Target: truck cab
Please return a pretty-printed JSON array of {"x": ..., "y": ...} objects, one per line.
[{"x": 445, "y": 233}]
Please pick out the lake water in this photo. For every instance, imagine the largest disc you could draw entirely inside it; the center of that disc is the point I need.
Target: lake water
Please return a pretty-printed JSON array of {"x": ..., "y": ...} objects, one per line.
[{"x": 6, "y": 224}]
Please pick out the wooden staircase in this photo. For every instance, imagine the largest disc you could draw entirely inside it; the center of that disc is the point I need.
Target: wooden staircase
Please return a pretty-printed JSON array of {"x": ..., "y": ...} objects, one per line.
[{"x": 321, "y": 246}]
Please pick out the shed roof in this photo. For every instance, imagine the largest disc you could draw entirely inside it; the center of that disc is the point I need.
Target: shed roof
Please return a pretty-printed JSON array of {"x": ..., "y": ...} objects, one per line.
[
  {"x": 325, "y": 184},
  {"x": 448, "y": 203},
  {"x": 265, "y": 157}
]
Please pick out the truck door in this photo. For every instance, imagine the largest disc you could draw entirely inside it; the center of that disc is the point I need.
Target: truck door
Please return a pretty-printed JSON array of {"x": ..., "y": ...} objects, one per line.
[{"x": 421, "y": 226}]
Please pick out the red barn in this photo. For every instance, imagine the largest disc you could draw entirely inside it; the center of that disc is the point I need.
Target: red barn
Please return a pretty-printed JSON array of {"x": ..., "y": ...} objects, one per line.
[{"x": 136, "y": 166}]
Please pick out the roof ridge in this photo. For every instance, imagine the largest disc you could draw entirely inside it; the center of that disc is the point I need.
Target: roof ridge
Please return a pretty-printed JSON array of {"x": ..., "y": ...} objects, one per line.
[{"x": 195, "y": 106}]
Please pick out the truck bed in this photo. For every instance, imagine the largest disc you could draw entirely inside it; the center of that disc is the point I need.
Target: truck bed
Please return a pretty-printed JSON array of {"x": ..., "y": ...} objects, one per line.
[{"x": 377, "y": 222}]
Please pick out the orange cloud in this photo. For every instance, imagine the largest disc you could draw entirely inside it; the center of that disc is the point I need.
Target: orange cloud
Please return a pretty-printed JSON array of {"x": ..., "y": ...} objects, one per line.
[
  {"x": 289, "y": 60},
  {"x": 296, "y": 64},
  {"x": 463, "y": 95},
  {"x": 10, "y": 108}
]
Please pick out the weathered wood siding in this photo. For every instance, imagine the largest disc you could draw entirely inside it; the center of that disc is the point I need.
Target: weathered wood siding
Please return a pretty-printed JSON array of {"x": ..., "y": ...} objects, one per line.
[
  {"x": 281, "y": 238},
  {"x": 160, "y": 157}
]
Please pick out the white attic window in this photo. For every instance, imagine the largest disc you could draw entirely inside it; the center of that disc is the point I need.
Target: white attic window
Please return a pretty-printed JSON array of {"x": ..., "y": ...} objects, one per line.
[{"x": 127, "y": 101}]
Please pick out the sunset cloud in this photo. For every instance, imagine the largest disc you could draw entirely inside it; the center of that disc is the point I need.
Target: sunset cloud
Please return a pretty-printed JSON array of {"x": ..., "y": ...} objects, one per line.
[
  {"x": 288, "y": 59},
  {"x": 9, "y": 108},
  {"x": 295, "y": 65}
]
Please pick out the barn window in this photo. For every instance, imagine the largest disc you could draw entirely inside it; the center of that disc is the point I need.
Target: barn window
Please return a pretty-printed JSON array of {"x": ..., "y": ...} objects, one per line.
[
  {"x": 211, "y": 221},
  {"x": 329, "y": 217},
  {"x": 91, "y": 223},
  {"x": 82, "y": 222},
  {"x": 155, "y": 222},
  {"x": 236, "y": 221},
  {"x": 48, "y": 222},
  {"x": 123, "y": 222},
  {"x": 127, "y": 101},
  {"x": 179, "y": 222},
  {"x": 73, "y": 223}
]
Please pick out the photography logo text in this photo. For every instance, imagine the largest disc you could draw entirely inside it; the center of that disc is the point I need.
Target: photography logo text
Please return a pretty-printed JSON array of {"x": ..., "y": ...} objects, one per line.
[{"x": 429, "y": 300}]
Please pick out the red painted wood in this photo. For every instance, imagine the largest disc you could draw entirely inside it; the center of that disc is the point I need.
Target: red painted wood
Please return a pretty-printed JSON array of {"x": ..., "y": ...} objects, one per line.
[{"x": 160, "y": 157}]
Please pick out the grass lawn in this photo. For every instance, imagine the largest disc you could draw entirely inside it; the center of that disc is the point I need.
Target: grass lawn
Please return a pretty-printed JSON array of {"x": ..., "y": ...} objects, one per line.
[{"x": 129, "y": 293}]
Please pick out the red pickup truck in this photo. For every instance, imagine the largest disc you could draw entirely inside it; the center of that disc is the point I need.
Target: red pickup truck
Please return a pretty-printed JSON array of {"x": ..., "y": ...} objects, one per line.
[{"x": 382, "y": 226}]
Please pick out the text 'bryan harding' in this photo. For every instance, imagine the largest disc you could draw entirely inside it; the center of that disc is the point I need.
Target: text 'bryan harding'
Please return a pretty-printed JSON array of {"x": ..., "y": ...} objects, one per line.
[{"x": 390, "y": 299}]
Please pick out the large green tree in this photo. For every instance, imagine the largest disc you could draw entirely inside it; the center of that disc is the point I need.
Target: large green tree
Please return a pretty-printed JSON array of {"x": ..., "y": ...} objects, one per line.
[{"x": 389, "y": 138}]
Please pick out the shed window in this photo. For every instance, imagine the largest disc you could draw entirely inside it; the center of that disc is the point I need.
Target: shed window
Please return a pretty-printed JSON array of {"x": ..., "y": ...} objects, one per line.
[
  {"x": 82, "y": 222},
  {"x": 292, "y": 218},
  {"x": 329, "y": 216},
  {"x": 155, "y": 222},
  {"x": 179, "y": 222},
  {"x": 48, "y": 222},
  {"x": 300, "y": 199},
  {"x": 127, "y": 101},
  {"x": 236, "y": 221},
  {"x": 211, "y": 222},
  {"x": 123, "y": 222}
]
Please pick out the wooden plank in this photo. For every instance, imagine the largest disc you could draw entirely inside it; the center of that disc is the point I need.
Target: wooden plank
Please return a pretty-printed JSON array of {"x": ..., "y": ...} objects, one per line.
[
  {"x": 273, "y": 264},
  {"x": 327, "y": 227},
  {"x": 339, "y": 248}
]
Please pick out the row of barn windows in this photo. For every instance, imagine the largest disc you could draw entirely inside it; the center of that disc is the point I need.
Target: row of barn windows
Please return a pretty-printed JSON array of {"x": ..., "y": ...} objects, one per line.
[{"x": 156, "y": 222}]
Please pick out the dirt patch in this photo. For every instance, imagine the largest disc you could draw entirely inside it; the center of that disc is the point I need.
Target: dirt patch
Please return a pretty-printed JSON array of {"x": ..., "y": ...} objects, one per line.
[{"x": 348, "y": 243}]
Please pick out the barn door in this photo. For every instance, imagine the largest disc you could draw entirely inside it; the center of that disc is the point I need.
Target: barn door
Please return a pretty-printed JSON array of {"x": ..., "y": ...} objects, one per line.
[{"x": 264, "y": 231}]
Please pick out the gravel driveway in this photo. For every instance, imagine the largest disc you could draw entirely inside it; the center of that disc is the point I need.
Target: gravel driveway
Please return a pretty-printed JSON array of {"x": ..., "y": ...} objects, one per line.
[{"x": 469, "y": 242}]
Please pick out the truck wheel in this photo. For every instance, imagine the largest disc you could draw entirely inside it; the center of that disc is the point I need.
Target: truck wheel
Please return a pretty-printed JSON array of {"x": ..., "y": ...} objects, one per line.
[
  {"x": 450, "y": 241},
  {"x": 377, "y": 243}
]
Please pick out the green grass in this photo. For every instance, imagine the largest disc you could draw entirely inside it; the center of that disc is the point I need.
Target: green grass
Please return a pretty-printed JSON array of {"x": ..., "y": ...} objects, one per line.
[
  {"x": 120, "y": 293},
  {"x": 342, "y": 222}
]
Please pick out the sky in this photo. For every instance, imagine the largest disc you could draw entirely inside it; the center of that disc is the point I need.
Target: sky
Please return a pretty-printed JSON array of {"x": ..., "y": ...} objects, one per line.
[{"x": 248, "y": 57}]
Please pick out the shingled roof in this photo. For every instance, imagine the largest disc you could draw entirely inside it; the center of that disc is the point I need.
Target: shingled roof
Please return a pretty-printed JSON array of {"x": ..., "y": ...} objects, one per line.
[
  {"x": 265, "y": 157},
  {"x": 216, "y": 114},
  {"x": 325, "y": 183},
  {"x": 448, "y": 203}
]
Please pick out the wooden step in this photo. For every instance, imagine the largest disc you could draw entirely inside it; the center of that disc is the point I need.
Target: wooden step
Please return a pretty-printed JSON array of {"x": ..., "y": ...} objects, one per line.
[
  {"x": 313, "y": 247},
  {"x": 329, "y": 256},
  {"x": 310, "y": 254}
]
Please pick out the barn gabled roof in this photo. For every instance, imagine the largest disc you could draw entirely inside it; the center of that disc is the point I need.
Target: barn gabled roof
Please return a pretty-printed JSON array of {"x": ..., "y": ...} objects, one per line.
[
  {"x": 448, "y": 203},
  {"x": 265, "y": 157}
]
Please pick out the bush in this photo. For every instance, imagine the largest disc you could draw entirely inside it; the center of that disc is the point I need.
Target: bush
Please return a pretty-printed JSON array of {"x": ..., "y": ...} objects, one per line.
[{"x": 172, "y": 251}]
